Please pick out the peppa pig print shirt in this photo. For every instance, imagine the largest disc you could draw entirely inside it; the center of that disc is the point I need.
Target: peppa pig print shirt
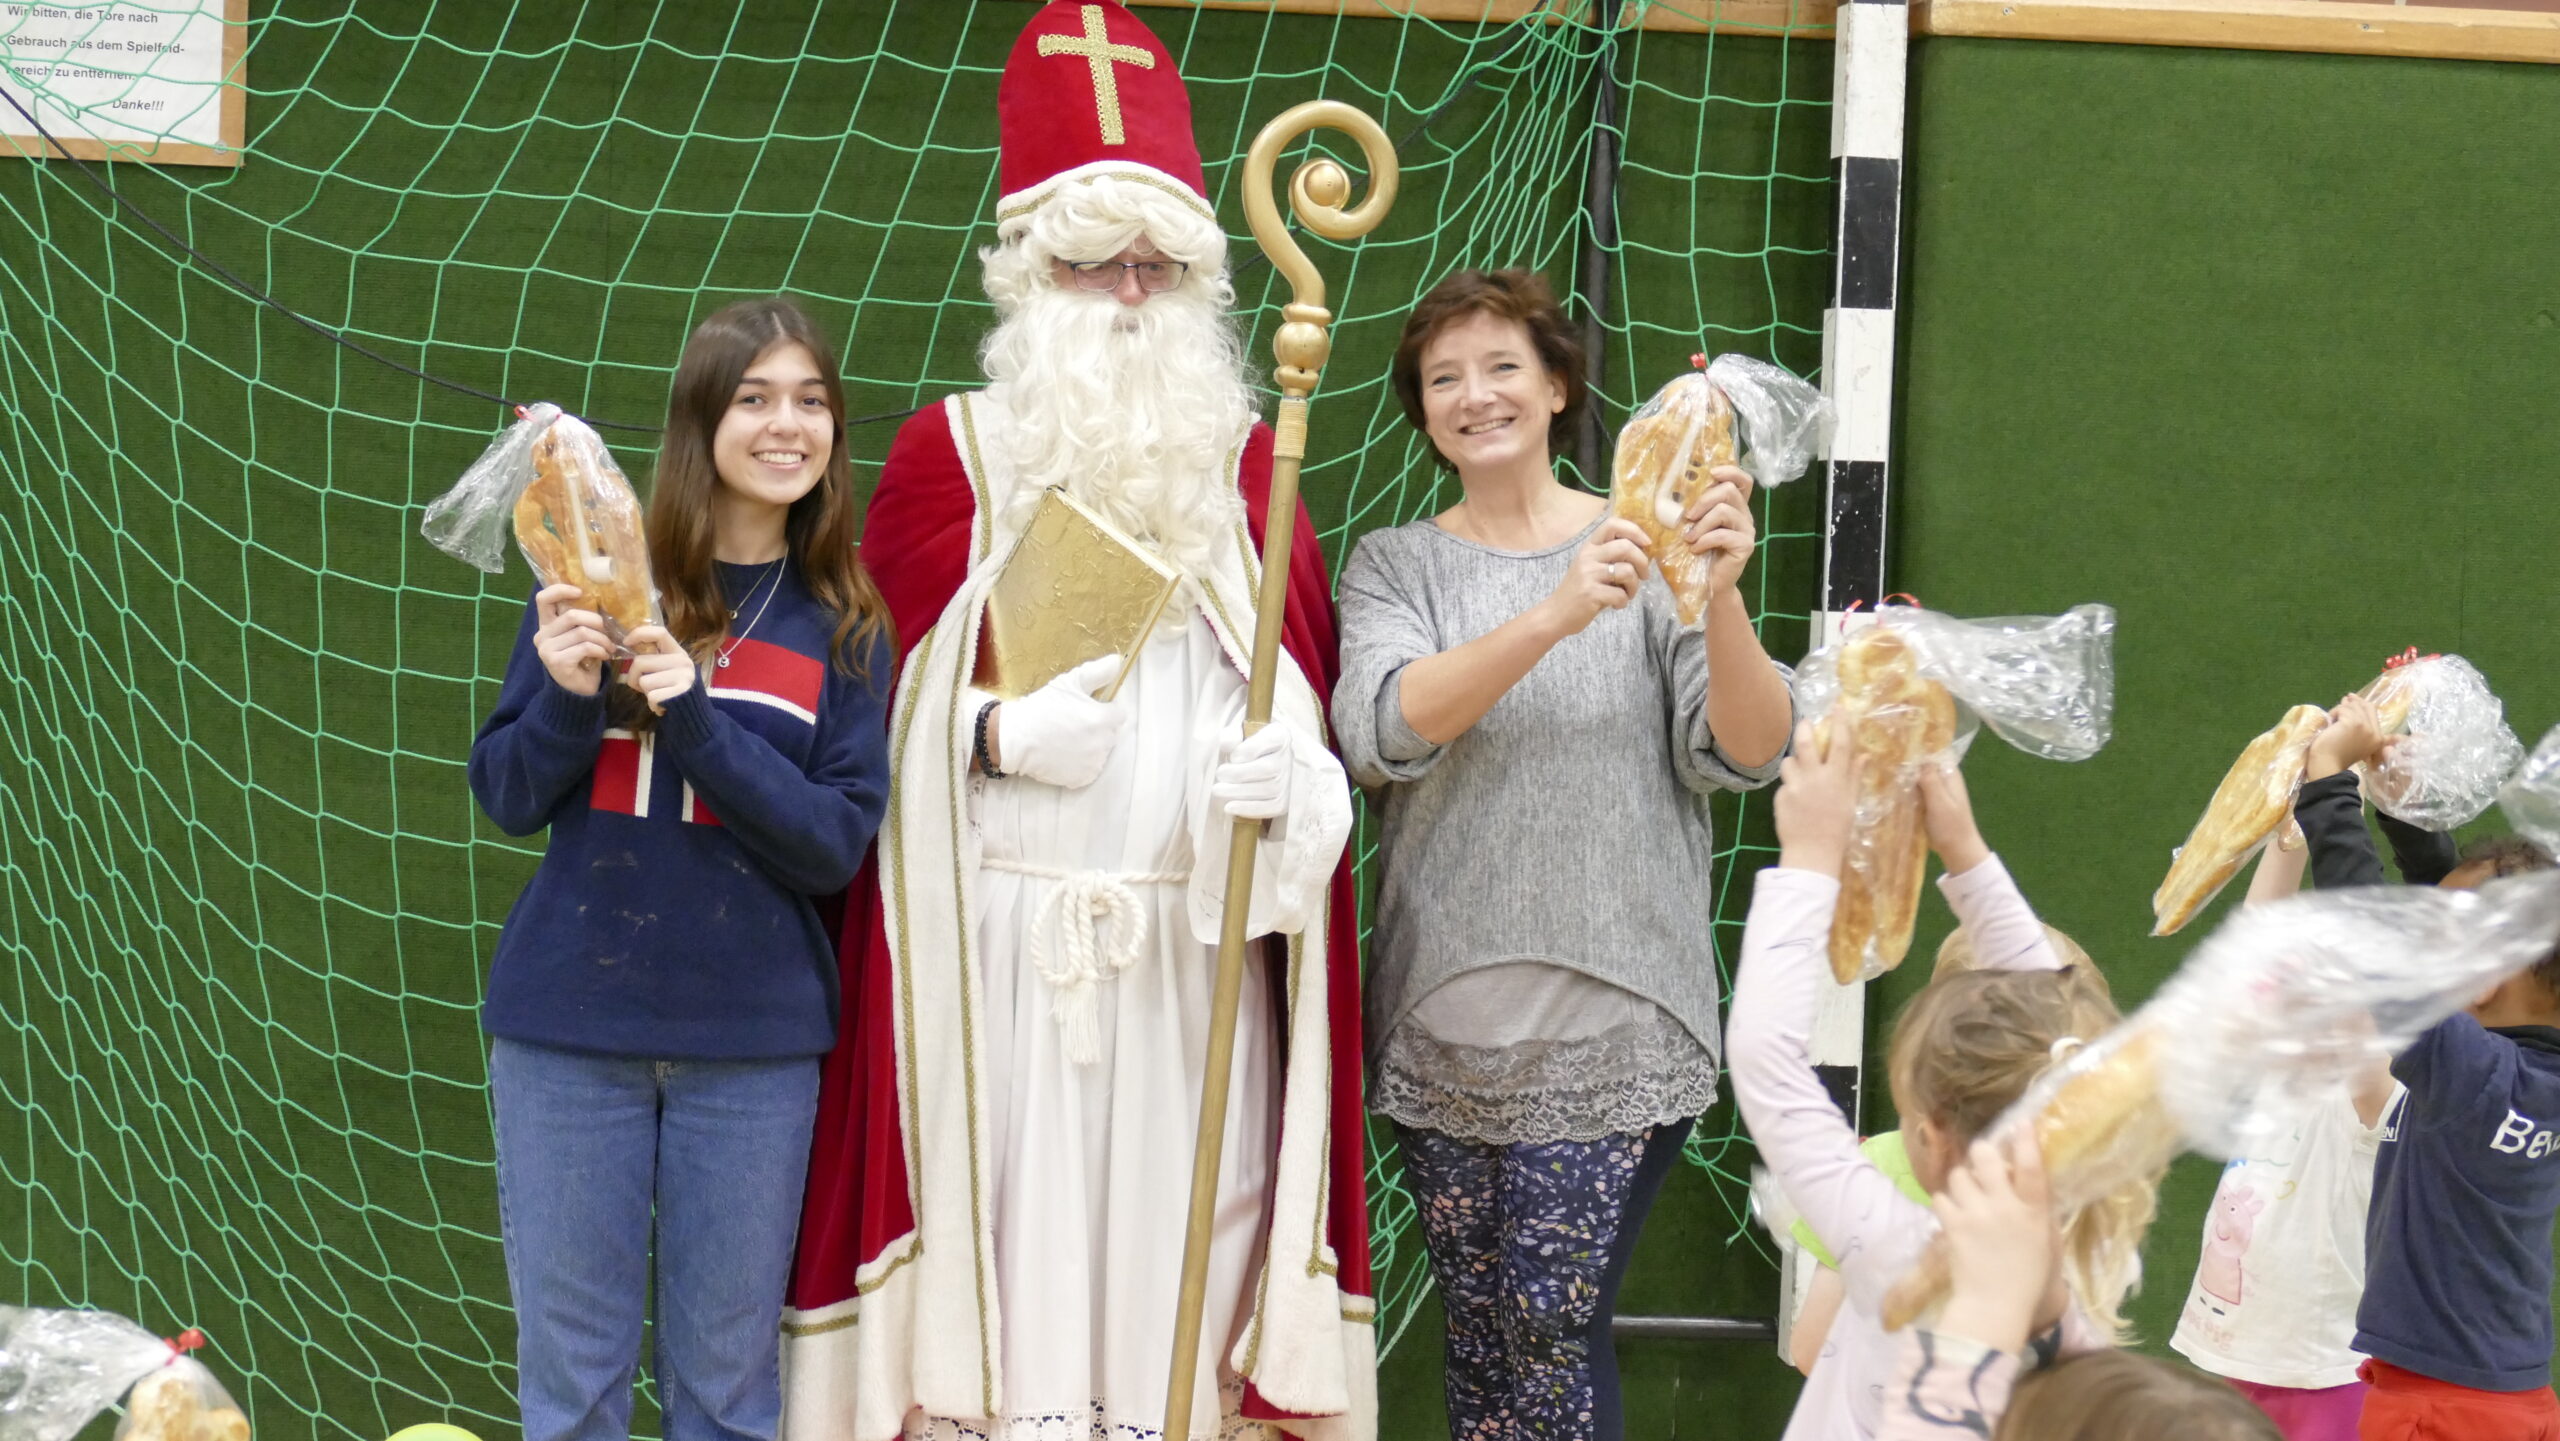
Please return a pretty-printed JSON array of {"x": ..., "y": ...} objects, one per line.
[{"x": 2274, "y": 1298}]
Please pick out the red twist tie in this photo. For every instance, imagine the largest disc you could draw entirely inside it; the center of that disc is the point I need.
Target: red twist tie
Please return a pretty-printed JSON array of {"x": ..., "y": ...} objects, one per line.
[
  {"x": 2406, "y": 657},
  {"x": 1907, "y": 597},
  {"x": 1698, "y": 361},
  {"x": 1853, "y": 607},
  {"x": 188, "y": 1340}
]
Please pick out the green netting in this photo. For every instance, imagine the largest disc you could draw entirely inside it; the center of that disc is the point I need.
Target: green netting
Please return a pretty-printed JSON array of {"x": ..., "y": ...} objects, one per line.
[{"x": 245, "y": 898}]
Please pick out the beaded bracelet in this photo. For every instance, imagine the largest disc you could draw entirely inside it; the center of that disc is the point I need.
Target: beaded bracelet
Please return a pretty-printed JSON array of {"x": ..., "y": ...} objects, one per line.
[{"x": 986, "y": 762}]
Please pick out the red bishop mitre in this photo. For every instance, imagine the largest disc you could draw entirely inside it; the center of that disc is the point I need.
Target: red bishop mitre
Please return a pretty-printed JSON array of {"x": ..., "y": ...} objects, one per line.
[{"x": 1091, "y": 91}]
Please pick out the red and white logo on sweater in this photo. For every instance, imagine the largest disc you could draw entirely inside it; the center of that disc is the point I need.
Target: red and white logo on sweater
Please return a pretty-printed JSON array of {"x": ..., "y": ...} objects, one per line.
[
  {"x": 762, "y": 673},
  {"x": 758, "y": 673},
  {"x": 625, "y": 765}
]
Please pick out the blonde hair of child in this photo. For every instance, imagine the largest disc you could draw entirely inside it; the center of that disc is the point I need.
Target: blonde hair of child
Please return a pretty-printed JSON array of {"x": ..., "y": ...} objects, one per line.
[
  {"x": 1955, "y": 954},
  {"x": 1969, "y": 1045},
  {"x": 2126, "y": 1396}
]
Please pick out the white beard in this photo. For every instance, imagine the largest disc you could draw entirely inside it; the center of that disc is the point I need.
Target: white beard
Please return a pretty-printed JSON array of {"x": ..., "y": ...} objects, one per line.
[{"x": 1136, "y": 412}]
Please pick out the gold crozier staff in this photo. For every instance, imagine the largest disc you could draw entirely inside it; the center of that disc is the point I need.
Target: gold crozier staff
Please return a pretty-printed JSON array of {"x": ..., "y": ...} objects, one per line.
[{"x": 1316, "y": 192}]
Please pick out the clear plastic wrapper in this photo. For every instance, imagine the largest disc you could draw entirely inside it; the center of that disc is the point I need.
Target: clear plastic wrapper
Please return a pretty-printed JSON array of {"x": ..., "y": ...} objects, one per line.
[
  {"x": 2253, "y": 802},
  {"x": 1734, "y": 411},
  {"x": 59, "y": 1369},
  {"x": 2045, "y": 684},
  {"x": 1899, "y": 720},
  {"x": 181, "y": 1402},
  {"x": 1912, "y": 686},
  {"x": 2531, "y": 799},
  {"x": 2455, "y": 749},
  {"x": 551, "y": 481},
  {"x": 2282, "y": 1007},
  {"x": 2288, "y": 1000}
]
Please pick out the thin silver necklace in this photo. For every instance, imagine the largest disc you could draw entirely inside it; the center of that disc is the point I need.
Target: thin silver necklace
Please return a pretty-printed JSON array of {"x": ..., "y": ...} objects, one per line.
[{"x": 772, "y": 573}]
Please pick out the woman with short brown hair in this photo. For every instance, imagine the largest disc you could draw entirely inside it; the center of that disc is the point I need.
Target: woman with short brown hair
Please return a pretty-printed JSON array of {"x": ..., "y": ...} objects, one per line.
[{"x": 1542, "y": 735}]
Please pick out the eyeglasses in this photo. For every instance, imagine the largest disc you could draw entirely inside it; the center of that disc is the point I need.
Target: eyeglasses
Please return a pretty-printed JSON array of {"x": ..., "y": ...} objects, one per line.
[{"x": 1154, "y": 276}]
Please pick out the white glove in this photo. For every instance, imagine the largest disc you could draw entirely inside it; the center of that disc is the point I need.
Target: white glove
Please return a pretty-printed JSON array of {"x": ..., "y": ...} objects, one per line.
[
  {"x": 1060, "y": 735},
  {"x": 1252, "y": 779}
]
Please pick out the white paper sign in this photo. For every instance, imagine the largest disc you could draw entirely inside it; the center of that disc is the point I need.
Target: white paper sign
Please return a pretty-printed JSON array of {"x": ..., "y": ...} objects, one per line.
[{"x": 115, "y": 71}]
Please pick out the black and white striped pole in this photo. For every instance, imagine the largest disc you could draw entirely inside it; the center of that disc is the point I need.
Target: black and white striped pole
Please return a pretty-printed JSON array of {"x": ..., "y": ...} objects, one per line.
[{"x": 1871, "y": 52}]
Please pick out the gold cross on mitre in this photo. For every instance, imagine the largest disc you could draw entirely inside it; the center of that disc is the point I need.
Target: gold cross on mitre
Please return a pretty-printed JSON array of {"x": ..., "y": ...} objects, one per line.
[{"x": 1098, "y": 52}]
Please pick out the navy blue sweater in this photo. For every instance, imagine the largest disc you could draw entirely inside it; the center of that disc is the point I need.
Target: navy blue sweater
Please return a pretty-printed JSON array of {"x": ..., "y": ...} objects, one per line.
[
  {"x": 673, "y": 913},
  {"x": 2458, "y": 1241}
]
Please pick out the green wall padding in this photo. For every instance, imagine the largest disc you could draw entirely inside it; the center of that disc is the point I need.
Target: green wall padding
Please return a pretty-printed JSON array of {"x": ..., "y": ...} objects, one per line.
[
  {"x": 245, "y": 899},
  {"x": 2264, "y": 351}
]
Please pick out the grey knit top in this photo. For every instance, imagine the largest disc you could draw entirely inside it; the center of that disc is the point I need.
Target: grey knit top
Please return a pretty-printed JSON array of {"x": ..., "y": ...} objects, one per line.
[{"x": 1543, "y": 966}]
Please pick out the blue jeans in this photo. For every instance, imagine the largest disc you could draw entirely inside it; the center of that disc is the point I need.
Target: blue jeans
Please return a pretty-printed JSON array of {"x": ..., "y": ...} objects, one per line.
[{"x": 594, "y": 1154}]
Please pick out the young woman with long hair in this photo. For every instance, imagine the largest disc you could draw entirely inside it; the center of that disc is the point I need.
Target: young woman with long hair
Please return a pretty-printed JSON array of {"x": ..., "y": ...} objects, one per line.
[{"x": 663, "y": 989}]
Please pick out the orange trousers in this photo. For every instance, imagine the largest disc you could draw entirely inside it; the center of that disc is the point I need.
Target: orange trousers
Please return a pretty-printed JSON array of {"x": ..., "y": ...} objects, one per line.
[{"x": 2405, "y": 1406}]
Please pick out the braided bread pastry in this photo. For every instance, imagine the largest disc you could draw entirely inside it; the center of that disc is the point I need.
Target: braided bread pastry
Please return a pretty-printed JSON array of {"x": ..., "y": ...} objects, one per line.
[
  {"x": 1898, "y": 719},
  {"x": 1664, "y": 454},
  {"x": 2255, "y": 797},
  {"x": 579, "y": 525},
  {"x": 168, "y": 1406},
  {"x": 2393, "y": 692}
]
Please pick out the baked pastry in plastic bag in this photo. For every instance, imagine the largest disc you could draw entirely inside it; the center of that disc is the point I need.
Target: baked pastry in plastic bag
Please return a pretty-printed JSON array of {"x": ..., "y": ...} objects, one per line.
[
  {"x": 2282, "y": 1007},
  {"x": 551, "y": 480},
  {"x": 181, "y": 1402},
  {"x": 1735, "y": 411},
  {"x": 1913, "y": 685},
  {"x": 2044, "y": 683},
  {"x": 1900, "y": 720},
  {"x": 2531, "y": 800},
  {"x": 59, "y": 1369},
  {"x": 2255, "y": 797},
  {"x": 2289, "y": 1000},
  {"x": 2455, "y": 749}
]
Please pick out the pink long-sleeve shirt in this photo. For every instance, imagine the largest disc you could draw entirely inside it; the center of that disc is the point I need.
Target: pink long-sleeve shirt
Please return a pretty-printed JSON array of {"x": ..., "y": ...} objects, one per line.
[
  {"x": 1946, "y": 1388},
  {"x": 1874, "y": 1230}
]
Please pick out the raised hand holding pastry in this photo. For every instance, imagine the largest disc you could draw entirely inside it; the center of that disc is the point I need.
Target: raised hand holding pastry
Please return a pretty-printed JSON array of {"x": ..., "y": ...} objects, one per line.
[
  {"x": 1687, "y": 461},
  {"x": 551, "y": 483}
]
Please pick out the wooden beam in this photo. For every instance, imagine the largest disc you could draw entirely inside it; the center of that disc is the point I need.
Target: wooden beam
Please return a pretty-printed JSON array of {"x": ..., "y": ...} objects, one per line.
[
  {"x": 1465, "y": 12},
  {"x": 1695, "y": 17},
  {"x": 2316, "y": 25},
  {"x": 2423, "y": 30},
  {"x": 1809, "y": 19}
]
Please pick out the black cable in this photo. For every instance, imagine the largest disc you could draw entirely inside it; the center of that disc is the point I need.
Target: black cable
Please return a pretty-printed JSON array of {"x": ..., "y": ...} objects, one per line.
[
  {"x": 1474, "y": 76},
  {"x": 260, "y": 296}
]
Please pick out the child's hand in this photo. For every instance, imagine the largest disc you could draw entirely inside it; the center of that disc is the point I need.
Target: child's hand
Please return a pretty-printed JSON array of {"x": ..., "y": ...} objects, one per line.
[
  {"x": 1997, "y": 1215},
  {"x": 2354, "y": 734},
  {"x": 1817, "y": 800},
  {"x": 1948, "y": 809}
]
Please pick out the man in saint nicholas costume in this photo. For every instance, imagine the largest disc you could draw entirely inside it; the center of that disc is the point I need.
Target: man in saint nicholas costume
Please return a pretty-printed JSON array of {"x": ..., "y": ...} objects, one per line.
[{"x": 993, "y": 1234}]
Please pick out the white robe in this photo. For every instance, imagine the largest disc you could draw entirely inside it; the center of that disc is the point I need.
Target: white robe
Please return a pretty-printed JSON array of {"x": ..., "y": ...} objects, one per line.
[
  {"x": 1092, "y": 1162},
  {"x": 931, "y": 1321}
]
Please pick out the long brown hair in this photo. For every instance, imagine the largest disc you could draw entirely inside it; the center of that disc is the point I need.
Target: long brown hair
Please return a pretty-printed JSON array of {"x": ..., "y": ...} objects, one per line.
[{"x": 819, "y": 532}]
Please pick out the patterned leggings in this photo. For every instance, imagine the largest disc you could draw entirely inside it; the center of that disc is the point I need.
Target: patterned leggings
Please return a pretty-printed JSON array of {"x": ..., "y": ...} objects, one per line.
[{"x": 1528, "y": 1243}]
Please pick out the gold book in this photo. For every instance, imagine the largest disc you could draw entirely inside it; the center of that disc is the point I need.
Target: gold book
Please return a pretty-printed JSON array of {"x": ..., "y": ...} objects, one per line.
[{"x": 1074, "y": 588}]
